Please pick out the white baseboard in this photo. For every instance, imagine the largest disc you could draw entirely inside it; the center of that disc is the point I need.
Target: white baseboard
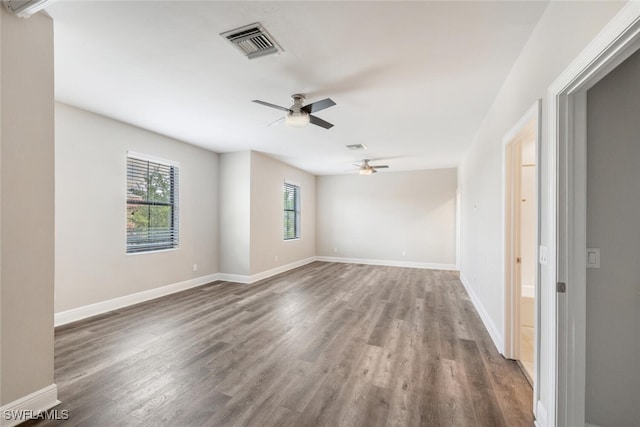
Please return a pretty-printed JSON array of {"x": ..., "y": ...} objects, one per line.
[
  {"x": 281, "y": 269},
  {"x": 494, "y": 332},
  {"x": 236, "y": 278},
  {"x": 586, "y": 424},
  {"x": 389, "y": 263},
  {"x": 75, "y": 314},
  {"x": 265, "y": 274},
  {"x": 541, "y": 415},
  {"x": 17, "y": 411}
]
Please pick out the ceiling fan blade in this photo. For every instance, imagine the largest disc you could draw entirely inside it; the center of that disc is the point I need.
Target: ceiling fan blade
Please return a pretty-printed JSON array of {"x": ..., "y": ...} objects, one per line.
[
  {"x": 314, "y": 107},
  {"x": 267, "y": 104},
  {"x": 319, "y": 122},
  {"x": 275, "y": 122},
  {"x": 380, "y": 166}
]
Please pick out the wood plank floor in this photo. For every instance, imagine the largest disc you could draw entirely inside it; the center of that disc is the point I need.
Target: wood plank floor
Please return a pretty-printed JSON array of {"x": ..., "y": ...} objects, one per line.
[{"x": 323, "y": 345}]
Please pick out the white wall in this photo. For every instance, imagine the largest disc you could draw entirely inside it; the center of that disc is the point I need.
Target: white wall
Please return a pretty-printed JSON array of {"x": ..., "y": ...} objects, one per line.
[
  {"x": 613, "y": 209},
  {"x": 26, "y": 210},
  {"x": 563, "y": 31},
  {"x": 378, "y": 217},
  {"x": 267, "y": 242},
  {"x": 235, "y": 213},
  {"x": 91, "y": 260}
]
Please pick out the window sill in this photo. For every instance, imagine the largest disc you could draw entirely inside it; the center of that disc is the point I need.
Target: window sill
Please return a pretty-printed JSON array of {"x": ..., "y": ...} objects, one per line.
[{"x": 152, "y": 252}]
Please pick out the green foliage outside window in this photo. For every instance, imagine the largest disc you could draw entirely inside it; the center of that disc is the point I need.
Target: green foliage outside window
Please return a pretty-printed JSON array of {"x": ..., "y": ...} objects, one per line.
[
  {"x": 151, "y": 206},
  {"x": 291, "y": 199}
]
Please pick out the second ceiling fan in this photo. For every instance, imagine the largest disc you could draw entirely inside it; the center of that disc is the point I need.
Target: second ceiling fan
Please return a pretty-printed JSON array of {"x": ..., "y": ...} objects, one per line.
[
  {"x": 299, "y": 115},
  {"x": 366, "y": 169}
]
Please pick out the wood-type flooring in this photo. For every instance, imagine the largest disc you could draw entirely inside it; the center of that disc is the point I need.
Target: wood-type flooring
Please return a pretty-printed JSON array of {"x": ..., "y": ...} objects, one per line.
[{"x": 326, "y": 344}]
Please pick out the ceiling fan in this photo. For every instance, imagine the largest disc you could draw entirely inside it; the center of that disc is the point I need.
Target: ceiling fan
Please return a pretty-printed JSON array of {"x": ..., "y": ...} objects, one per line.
[
  {"x": 366, "y": 169},
  {"x": 299, "y": 115}
]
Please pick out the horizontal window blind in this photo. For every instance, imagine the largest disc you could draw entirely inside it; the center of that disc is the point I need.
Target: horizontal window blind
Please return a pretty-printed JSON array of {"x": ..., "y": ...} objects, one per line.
[
  {"x": 152, "y": 205},
  {"x": 291, "y": 211}
]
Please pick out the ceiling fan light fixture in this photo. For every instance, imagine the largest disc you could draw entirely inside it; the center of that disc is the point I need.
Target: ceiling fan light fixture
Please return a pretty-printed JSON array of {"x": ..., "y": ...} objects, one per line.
[
  {"x": 297, "y": 120},
  {"x": 366, "y": 171}
]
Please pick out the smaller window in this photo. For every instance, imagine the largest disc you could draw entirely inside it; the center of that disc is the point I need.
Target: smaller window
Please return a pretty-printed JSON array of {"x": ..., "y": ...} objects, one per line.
[
  {"x": 152, "y": 205},
  {"x": 291, "y": 211}
]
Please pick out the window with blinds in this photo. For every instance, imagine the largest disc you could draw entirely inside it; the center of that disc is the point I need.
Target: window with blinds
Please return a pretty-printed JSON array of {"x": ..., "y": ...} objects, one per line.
[
  {"x": 291, "y": 211},
  {"x": 152, "y": 205}
]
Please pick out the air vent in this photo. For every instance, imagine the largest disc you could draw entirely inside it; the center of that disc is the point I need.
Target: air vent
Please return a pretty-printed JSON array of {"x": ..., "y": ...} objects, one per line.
[
  {"x": 253, "y": 40},
  {"x": 356, "y": 147}
]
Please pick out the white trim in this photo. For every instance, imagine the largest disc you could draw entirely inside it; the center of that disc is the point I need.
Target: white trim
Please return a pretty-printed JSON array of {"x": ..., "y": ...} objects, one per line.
[
  {"x": 551, "y": 273},
  {"x": 155, "y": 251},
  {"x": 75, "y": 314},
  {"x": 235, "y": 278},
  {"x": 150, "y": 158},
  {"x": 458, "y": 223},
  {"x": 389, "y": 263},
  {"x": 281, "y": 269},
  {"x": 244, "y": 279},
  {"x": 586, "y": 424},
  {"x": 491, "y": 327},
  {"x": 40, "y": 400},
  {"x": 615, "y": 43},
  {"x": 541, "y": 415}
]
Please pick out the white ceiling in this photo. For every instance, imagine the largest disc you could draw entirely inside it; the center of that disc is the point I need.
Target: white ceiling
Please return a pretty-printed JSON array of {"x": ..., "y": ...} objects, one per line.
[{"x": 412, "y": 80}]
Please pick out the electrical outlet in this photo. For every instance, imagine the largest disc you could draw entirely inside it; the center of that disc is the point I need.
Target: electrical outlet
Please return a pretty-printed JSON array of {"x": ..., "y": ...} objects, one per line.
[
  {"x": 335, "y": 250},
  {"x": 195, "y": 267},
  {"x": 404, "y": 253},
  {"x": 276, "y": 258}
]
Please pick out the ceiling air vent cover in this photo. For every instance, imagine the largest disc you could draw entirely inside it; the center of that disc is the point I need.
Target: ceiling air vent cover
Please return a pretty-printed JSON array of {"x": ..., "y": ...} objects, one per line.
[
  {"x": 356, "y": 147},
  {"x": 253, "y": 40}
]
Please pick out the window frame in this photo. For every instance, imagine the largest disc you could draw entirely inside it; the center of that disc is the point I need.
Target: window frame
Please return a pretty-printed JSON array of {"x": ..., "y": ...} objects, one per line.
[
  {"x": 173, "y": 242},
  {"x": 296, "y": 210}
]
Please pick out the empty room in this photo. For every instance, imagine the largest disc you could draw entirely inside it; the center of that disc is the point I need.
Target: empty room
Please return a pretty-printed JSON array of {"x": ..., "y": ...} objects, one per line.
[{"x": 319, "y": 213}]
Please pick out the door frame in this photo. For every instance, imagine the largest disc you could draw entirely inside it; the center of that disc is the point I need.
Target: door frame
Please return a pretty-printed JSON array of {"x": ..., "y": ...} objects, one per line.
[
  {"x": 567, "y": 115},
  {"x": 510, "y": 205}
]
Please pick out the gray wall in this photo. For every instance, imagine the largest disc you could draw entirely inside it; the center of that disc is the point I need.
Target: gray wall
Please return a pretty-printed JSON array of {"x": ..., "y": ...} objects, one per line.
[
  {"x": 91, "y": 180},
  {"x": 267, "y": 242},
  {"x": 613, "y": 211},
  {"x": 26, "y": 210},
  {"x": 382, "y": 216},
  {"x": 251, "y": 218},
  {"x": 235, "y": 213}
]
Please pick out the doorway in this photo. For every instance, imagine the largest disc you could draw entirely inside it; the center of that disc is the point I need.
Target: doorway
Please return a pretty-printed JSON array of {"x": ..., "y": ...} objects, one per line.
[
  {"x": 521, "y": 237},
  {"x": 567, "y": 211},
  {"x": 612, "y": 287}
]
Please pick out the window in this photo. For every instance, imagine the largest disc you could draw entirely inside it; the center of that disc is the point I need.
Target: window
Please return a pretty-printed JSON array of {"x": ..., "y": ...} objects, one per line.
[
  {"x": 291, "y": 211},
  {"x": 152, "y": 205}
]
